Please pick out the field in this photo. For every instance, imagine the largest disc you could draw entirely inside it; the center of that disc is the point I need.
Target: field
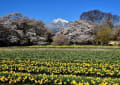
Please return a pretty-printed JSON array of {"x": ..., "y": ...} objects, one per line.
[{"x": 59, "y": 66}]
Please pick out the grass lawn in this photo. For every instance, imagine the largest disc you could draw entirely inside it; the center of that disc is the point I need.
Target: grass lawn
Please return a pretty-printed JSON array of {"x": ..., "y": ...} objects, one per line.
[{"x": 74, "y": 46}]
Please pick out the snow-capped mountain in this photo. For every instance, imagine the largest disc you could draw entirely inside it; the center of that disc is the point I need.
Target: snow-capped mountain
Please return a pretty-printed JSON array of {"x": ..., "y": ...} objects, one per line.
[
  {"x": 57, "y": 24},
  {"x": 60, "y": 20}
]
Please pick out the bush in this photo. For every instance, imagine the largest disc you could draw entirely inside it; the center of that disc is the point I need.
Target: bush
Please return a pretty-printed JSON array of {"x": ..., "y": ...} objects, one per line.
[{"x": 60, "y": 39}]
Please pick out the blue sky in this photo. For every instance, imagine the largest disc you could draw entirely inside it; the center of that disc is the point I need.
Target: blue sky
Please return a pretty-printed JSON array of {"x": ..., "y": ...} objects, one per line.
[{"x": 47, "y": 10}]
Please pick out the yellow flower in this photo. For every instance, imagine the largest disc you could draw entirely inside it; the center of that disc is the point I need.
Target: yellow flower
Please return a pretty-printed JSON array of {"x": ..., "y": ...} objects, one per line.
[
  {"x": 10, "y": 82},
  {"x": 92, "y": 81},
  {"x": 86, "y": 83},
  {"x": 103, "y": 83},
  {"x": 60, "y": 83},
  {"x": 40, "y": 82},
  {"x": 74, "y": 82},
  {"x": 118, "y": 73},
  {"x": 55, "y": 81},
  {"x": 116, "y": 84},
  {"x": 36, "y": 81},
  {"x": 65, "y": 83},
  {"x": 80, "y": 83}
]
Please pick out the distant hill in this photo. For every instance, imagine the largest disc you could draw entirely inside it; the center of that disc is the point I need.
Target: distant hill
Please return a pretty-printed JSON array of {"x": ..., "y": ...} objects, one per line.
[{"x": 57, "y": 24}]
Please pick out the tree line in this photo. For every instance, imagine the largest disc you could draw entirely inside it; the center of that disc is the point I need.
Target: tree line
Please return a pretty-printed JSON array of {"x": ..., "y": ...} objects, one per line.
[
  {"x": 17, "y": 29},
  {"x": 109, "y": 28}
]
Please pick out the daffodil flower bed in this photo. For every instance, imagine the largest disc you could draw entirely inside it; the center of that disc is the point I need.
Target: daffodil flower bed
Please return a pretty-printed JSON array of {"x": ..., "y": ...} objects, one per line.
[
  {"x": 13, "y": 78},
  {"x": 59, "y": 67}
]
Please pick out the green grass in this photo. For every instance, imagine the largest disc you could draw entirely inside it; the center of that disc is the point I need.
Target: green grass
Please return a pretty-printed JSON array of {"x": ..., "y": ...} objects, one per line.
[
  {"x": 74, "y": 46},
  {"x": 65, "y": 54}
]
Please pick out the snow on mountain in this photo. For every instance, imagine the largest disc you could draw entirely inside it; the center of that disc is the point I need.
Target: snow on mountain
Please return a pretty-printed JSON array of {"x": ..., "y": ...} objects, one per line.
[
  {"x": 57, "y": 24},
  {"x": 60, "y": 20}
]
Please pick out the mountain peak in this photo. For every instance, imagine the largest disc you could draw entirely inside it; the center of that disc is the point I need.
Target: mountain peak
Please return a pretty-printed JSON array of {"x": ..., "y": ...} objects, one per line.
[{"x": 60, "y": 20}]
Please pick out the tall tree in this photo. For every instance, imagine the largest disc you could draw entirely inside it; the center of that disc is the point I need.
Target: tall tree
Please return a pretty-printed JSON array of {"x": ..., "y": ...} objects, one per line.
[
  {"x": 97, "y": 16},
  {"x": 104, "y": 34},
  {"x": 17, "y": 29}
]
